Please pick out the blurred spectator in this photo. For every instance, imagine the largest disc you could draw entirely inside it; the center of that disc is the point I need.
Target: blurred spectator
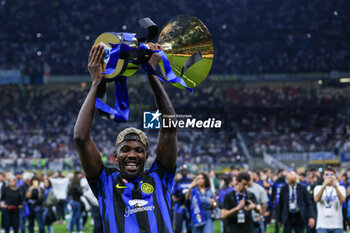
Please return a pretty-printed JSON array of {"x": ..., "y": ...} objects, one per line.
[
  {"x": 201, "y": 201},
  {"x": 249, "y": 37},
  {"x": 36, "y": 201},
  {"x": 11, "y": 202}
]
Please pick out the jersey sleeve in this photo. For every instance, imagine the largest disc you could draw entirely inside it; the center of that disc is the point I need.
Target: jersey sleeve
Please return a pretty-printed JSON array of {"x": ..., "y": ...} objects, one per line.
[
  {"x": 166, "y": 177},
  {"x": 105, "y": 179}
]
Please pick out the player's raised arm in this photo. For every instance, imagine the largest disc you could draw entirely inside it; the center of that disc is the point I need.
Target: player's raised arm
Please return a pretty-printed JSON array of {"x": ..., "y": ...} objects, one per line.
[
  {"x": 167, "y": 138},
  {"x": 89, "y": 155}
]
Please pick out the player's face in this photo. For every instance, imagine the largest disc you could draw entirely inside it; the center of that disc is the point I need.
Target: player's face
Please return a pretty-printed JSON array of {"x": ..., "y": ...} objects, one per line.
[
  {"x": 200, "y": 180},
  {"x": 12, "y": 182},
  {"x": 329, "y": 175},
  {"x": 131, "y": 157},
  {"x": 243, "y": 185}
]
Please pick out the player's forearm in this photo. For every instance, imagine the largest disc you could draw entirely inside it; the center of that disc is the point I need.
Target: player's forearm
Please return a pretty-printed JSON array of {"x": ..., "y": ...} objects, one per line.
[
  {"x": 161, "y": 97},
  {"x": 167, "y": 139},
  {"x": 188, "y": 194},
  {"x": 263, "y": 208},
  {"x": 85, "y": 117},
  {"x": 340, "y": 195},
  {"x": 225, "y": 213},
  {"x": 318, "y": 196}
]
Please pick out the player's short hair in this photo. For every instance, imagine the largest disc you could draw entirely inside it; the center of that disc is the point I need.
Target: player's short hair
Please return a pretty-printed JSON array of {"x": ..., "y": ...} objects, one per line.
[
  {"x": 330, "y": 169},
  {"x": 266, "y": 170},
  {"x": 243, "y": 176},
  {"x": 132, "y": 134}
]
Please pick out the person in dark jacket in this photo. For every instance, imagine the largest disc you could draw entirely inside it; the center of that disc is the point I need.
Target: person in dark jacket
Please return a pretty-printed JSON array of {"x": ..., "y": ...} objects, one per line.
[
  {"x": 295, "y": 207},
  {"x": 11, "y": 202},
  {"x": 75, "y": 192}
]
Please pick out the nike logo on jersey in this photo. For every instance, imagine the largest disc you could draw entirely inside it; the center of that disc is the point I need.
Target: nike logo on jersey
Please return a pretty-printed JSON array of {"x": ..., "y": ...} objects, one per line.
[{"x": 121, "y": 186}]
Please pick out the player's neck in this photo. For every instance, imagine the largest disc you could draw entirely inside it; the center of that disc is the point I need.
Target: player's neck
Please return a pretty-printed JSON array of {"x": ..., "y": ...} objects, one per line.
[{"x": 239, "y": 191}]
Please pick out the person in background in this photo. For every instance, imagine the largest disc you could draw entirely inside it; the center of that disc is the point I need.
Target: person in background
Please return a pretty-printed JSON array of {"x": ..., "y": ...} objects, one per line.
[
  {"x": 50, "y": 201},
  {"x": 256, "y": 177},
  {"x": 238, "y": 206},
  {"x": 2, "y": 186},
  {"x": 95, "y": 212},
  {"x": 302, "y": 179},
  {"x": 262, "y": 200},
  {"x": 11, "y": 202},
  {"x": 311, "y": 178},
  {"x": 234, "y": 171},
  {"x": 36, "y": 201},
  {"x": 27, "y": 178},
  {"x": 84, "y": 203},
  {"x": 60, "y": 188},
  {"x": 229, "y": 183},
  {"x": 268, "y": 184},
  {"x": 75, "y": 192},
  {"x": 329, "y": 198},
  {"x": 343, "y": 182},
  {"x": 274, "y": 201},
  {"x": 180, "y": 209},
  {"x": 295, "y": 208},
  {"x": 19, "y": 178},
  {"x": 214, "y": 182},
  {"x": 201, "y": 200}
]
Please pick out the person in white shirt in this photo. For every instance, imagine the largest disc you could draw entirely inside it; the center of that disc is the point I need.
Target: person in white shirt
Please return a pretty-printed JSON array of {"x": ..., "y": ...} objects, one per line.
[
  {"x": 329, "y": 198},
  {"x": 60, "y": 189}
]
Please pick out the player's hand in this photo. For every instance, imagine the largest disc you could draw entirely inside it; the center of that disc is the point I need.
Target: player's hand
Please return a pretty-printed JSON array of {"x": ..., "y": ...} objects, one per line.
[
  {"x": 241, "y": 204},
  {"x": 174, "y": 198},
  {"x": 335, "y": 183},
  {"x": 251, "y": 206},
  {"x": 95, "y": 65},
  {"x": 193, "y": 183},
  {"x": 155, "y": 58},
  {"x": 311, "y": 222}
]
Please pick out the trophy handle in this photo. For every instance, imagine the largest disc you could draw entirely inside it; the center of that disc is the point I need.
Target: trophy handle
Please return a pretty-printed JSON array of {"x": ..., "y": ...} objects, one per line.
[{"x": 124, "y": 68}]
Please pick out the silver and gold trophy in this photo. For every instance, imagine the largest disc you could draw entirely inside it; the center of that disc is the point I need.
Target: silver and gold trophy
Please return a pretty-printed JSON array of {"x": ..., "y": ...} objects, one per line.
[{"x": 186, "y": 59}]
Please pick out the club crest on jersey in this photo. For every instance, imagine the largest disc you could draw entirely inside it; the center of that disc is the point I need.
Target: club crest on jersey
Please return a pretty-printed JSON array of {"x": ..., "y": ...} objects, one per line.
[{"x": 147, "y": 188}]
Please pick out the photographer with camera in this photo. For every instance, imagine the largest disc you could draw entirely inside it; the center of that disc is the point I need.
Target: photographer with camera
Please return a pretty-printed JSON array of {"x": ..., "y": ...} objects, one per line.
[
  {"x": 329, "y": 198},
  {"x": 36, "y": 201},
  {"x": 238, "y": 206}
]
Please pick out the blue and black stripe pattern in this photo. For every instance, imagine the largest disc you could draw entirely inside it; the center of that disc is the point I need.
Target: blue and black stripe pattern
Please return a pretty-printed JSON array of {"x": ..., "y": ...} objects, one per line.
[{"x": 140, "y": 205}]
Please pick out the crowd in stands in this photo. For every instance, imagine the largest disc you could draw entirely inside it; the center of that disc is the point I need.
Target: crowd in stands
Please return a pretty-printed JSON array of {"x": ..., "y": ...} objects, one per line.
[
  {"x": 37, "y": 122},
  {"x": 250, "y": 37}
]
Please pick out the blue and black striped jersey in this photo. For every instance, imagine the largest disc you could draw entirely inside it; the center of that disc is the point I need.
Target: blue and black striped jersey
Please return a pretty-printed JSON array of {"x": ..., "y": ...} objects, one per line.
[{"x": 132, "y": 206}]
